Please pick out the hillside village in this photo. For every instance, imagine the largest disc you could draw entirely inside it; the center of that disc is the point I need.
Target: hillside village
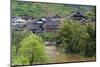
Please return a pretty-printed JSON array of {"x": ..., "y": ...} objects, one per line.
[
  {"x": 46, "y": 24},
  {"x": 45, "y": 33}
]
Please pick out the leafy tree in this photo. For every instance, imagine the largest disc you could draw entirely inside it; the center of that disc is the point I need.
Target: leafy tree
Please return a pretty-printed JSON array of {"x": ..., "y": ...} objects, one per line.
[
  {"x": 48, "y": 36},
  {"x": 88, "y": 41},
  {"x": 17, "y": 37},
  {"x": 70, "y": 34},
  {"x": 91, "y": 13},
  {"x": 32, "y": 51},
  {"x": 78, "y": 39}
]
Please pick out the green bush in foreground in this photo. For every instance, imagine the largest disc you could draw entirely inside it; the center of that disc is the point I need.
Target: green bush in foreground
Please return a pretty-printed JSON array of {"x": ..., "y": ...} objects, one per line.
[
  {"x": 32, "y": 51},
  {"x": 17, "y": 37}
]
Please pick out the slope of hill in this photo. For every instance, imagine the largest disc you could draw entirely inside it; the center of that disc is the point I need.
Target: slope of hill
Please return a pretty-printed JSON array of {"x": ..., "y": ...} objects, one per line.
[{"x": 39, "y": 10}]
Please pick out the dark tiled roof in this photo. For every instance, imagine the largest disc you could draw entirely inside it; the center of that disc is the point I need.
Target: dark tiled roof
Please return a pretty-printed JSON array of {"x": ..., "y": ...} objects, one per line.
[
  {"x": 77, "y": 14},
  {"x": 33, "y": 26},
  {"x": 51, "y": 23}
]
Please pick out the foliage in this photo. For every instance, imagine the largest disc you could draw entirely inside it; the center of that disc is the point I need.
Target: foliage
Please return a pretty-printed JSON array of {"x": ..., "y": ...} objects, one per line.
[
  {"x": 48, "y": 36},
  {"x": 17, "y": 37},
  {"x": 70, "y": 34},
  {"x": 78, "y": 38},
  {"x": 91, "y": 13},
  {"x": 39, "y": 10},
  {"x": 31, "y": 51},
  {"x": 28, "y": 48},
  {"x": 88, "y": 41}
]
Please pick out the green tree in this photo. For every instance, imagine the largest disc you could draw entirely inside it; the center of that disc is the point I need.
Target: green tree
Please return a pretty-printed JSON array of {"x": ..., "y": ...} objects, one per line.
[
  {"x": 88, "y": 41},
  {"x": 32, "y": 51},
  {"x": 70, "y": 35},
  {"x": 78, "y": 38},
  {"x": 91, "y": 13},
  {"x": 48, "y": 36},
  {"x": 17, "y": 37}
]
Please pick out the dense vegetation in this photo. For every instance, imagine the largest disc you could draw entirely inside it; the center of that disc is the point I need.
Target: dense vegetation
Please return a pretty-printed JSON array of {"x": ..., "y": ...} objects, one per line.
[
  {"x": 74, "y": 37},
  {"x": 31, "y": 50},
  {"x": 17, "y": 37},
  {"x": 77, "y": 38},
  {"x": 48, "y": 36},
  {"x": 38, "y": 10}
]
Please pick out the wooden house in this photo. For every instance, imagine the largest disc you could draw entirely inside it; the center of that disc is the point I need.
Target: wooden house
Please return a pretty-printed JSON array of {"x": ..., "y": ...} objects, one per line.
[
  {"x": 18, "y": 23},
  {"x": 51, "y": 24},
  {"x": 77, "y": 16},
  {"x": 35, "y": 26}
]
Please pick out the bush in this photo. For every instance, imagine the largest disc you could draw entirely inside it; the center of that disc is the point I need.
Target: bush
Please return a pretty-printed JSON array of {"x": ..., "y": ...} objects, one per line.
[
  {"x": 70, "y": 34},
  {"x": 88, "y": 41},
  {"x": 17, "y": 37},
  {"x": 48, "y": 36},
  {"x": 78, "y": 38},
  {"x": 32, "y": 51}
]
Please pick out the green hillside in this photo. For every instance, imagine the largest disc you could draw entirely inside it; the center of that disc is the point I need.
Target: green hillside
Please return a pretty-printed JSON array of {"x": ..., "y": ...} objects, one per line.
[{"x": 40, "y": 9}]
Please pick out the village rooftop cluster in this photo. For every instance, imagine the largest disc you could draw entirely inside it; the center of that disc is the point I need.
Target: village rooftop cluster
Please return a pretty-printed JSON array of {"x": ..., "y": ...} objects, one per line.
[{"x": 45, "y": 24}]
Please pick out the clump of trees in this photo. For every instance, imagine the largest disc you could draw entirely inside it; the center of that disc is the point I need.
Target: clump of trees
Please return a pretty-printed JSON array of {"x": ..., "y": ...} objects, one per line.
[
  {"x": 17, "y": 37},
  {"x": 48, "y": 36},
  {"x": 88, "y": 41},
  {"x": 31, "y": 51},
  {"x": 78, "y": 38}
]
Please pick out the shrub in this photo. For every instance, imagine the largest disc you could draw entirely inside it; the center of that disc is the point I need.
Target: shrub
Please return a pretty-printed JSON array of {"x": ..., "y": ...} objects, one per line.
[
  {"x": 88, "y": 41},
  {"x": 70, "y": 34},
  {"x": 32, "y": 51},
  {"x": 78, "y": 38},
  {"x": 17, "y": 37},
  {"x": 48, "y": 36}
]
